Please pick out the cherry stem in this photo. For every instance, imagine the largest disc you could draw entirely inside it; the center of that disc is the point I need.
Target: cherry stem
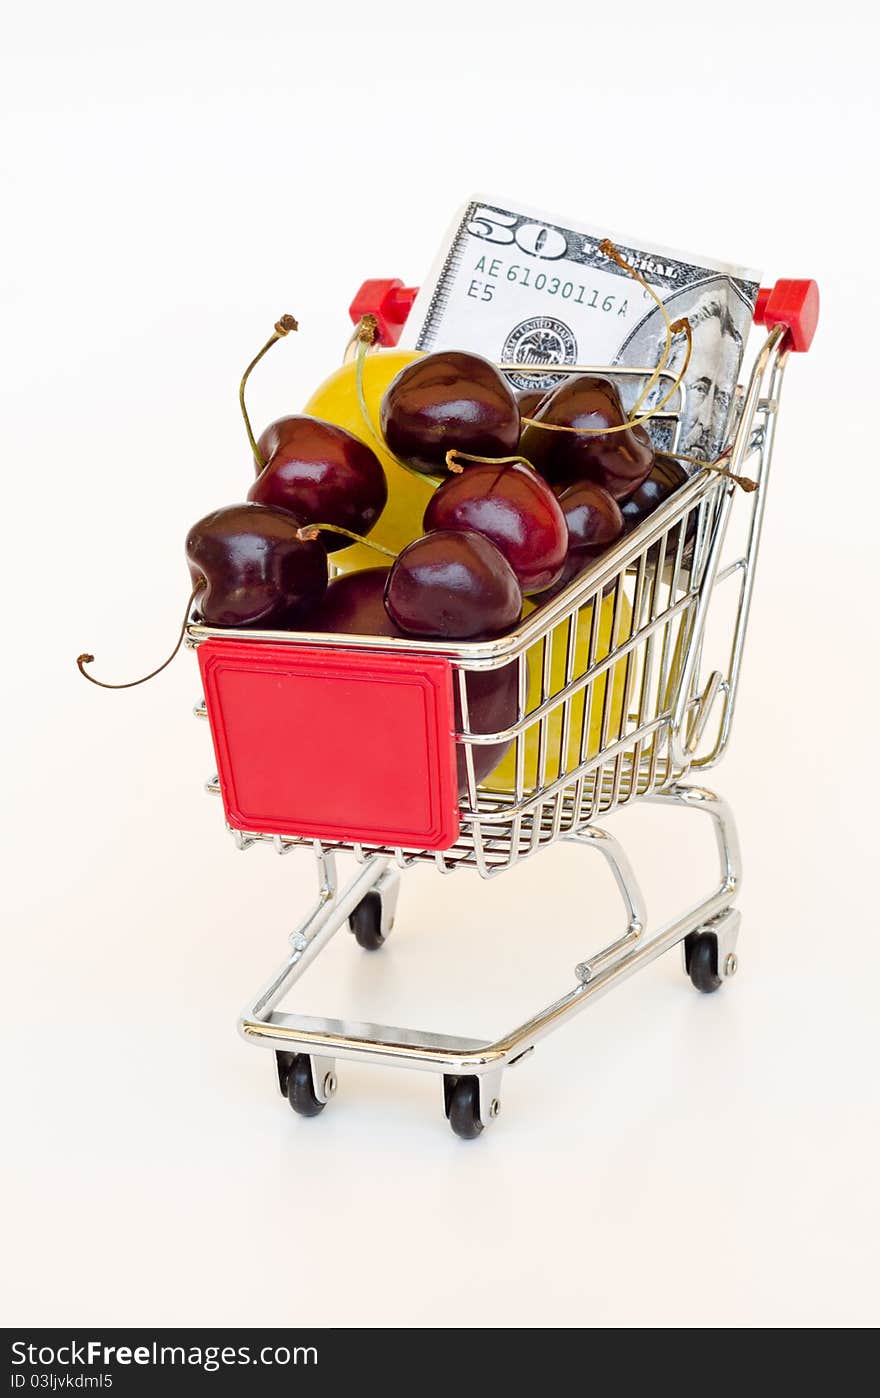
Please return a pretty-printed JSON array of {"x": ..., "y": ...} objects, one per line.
[
  {"x": 454, "y": 458},
  {"x": 310, "y": 532},
  {"x": 282, "y": 327},
  {"x": 683, "y": 327},
  {"x": 614, "y": 253},
  {"x": 86, "y": 659},
  {"x": 366, "y": 332},
  {"x": 746, "y": 483}
]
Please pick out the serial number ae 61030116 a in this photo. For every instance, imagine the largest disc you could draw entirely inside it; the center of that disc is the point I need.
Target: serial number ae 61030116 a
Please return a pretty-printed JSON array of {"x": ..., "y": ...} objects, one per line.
[{"x": 489, "y": 270}]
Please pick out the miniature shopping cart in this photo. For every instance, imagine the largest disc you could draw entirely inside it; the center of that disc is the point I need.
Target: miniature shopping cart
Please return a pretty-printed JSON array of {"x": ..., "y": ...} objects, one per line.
[{"x": 614, "y": 702}]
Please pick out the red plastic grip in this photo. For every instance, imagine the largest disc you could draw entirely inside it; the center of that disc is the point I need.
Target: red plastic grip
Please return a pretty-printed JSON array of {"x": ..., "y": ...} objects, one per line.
[
  {"x": 333, "y": 744},
  {"x": 794, "y": 304},
  {"x": 389, "y": 301}
]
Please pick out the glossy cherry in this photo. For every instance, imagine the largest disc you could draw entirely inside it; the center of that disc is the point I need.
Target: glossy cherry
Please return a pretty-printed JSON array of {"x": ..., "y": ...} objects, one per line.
[
  {"x": 453, "y": 584},
  {"x": 619, "y": 460},
  {"x": 354, "y": 605},
  {"x": 515, "y": 508},
  {"x": 528, "y": 400},
  {"x": 449, "y": 400},
  {"x": 666, "y": 476},
  {"x": 594, "y": 521},
  {"x": 320, "y": 472},
  {"x": 592, "y": 516},
  {"x": 576, "y": 562},
  {"x": 257, "y": 571}
]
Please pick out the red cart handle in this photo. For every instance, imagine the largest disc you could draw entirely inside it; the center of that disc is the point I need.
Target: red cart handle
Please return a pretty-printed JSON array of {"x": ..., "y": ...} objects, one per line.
[
  {"x": 794, "y": 304},
  {"x": 389, "y": 301}
]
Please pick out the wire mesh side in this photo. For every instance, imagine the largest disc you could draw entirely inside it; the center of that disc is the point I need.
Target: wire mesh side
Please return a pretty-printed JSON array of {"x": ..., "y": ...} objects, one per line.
[{"x": 599, "y": 690}]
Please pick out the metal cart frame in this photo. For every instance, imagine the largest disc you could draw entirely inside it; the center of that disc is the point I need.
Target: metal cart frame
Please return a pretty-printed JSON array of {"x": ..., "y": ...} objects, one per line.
[{"x": 624, "y": 717}]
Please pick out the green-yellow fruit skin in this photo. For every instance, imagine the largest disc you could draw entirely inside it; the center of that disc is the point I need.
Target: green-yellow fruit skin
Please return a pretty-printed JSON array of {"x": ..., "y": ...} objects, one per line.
[
  {"x": 337, "y": 401},
  {"x": 503, "y": 778}
]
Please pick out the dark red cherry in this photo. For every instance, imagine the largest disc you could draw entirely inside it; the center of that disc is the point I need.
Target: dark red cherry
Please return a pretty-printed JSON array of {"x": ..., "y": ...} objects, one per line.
[
  {"x": 453, "y": 584},
  {"x": 666, "y": 476},
  {"x": 353, "y": 605},
  {"x": 592, "y": 516},
  {"x": 619, "y": 461},
  {"x": 528, "y": 400},
  {"x": 594, "y": 522},
  {"x": 445, "y": 400},
  {"x": 575, "y": 563},
  {"x": 321, "y": 473},
  {"x": 257, "y": 572},
  {"x": 515, "y": 508}
]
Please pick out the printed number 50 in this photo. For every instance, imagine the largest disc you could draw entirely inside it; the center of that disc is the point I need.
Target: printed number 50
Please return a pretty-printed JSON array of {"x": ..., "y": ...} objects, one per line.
[{"x": 533, "y": 238}]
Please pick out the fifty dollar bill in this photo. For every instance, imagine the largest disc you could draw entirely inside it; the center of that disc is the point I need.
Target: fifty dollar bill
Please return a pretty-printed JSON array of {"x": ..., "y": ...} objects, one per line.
[{"x": 521, "y": 287}]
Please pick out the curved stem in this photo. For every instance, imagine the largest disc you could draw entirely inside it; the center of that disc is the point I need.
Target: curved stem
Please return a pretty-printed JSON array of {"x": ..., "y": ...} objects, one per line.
[
  {"x": 683, "y": 326},
  {"x": 86, "y": 659},
  {"x": 583, "y": 431},
  {"x": 696, "y": 461},
  {"x": 454, "y": 458},
  {"x": 361, "y": 355},
  {"x": 282, "y": 327},
  {"x": 310, "y": 532},
  {"x": 745, "y": 482},
  {"x": 366, "y": 332},
  {"x": 611, "y": 251}
]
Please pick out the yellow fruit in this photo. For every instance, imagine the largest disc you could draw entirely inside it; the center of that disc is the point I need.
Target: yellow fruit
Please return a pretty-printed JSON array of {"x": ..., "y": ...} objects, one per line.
[
  {"x": 503, "y": 778},
  {"x": 337, "y": 401}
]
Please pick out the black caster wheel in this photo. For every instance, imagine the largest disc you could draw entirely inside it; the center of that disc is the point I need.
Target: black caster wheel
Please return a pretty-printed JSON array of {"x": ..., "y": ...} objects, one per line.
[
  {"x": 366, "y": 922},
  {"x": 701, "y": 958},
  {"x": 300, "y": 1088},
  {"x": 462, "y": 1096}
]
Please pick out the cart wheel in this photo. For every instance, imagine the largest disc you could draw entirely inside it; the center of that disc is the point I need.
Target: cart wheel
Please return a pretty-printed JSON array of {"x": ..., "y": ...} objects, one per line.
[
  {"x": 301, "y": 1089},
  {"x": 463, "y": 1106},
  {"x": 366, "y": 922},
  {"x": 701, "y": 951}
]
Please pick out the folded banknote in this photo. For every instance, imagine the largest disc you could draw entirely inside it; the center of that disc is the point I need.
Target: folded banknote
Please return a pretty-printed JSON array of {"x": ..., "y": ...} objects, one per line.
[{"x": 525, "y": 288}]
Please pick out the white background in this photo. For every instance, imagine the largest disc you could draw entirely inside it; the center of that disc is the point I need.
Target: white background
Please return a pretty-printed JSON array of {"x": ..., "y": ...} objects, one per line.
[{"x": 175, "y": 178}]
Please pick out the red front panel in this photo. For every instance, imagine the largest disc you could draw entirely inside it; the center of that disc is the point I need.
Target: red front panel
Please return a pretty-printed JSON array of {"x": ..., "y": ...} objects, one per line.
[{"x": 333, "y": 744}]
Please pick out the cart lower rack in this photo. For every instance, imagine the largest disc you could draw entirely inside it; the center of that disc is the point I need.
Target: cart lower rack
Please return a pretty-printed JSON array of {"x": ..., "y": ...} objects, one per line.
[{"x": 600, "y": 698}]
